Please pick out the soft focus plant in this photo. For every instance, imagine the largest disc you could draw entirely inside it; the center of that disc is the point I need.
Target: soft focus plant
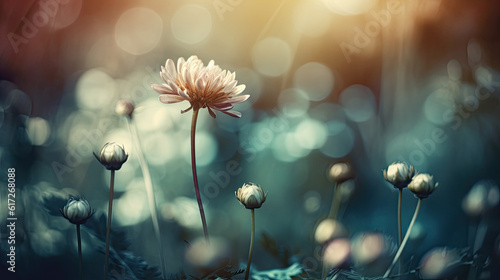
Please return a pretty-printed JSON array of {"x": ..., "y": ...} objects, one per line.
[
  {"x": 126, "y": 108},
  {"x": 339, "y": 173}
]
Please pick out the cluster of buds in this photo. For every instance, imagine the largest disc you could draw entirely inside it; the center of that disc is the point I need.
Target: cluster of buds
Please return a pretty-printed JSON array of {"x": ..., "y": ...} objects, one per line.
[{"x": 400, "y": 175}]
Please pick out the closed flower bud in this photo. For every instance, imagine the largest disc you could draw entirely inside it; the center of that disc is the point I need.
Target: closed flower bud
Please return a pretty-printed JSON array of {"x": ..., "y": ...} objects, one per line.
[
  {"x": 440, "y": 263},
  {"x": 422, "y": 185},
  {"x": 340, "y": 172},
  {"x": 482, "y": 197},
  {"x": 112, "y": 156},
  {"x": 124, "y": 108},
  {"x": 399, "y": 174},
  {"x": 372, "y": 253},
  {"x": 251, "y": 195},
  {"x": 329, "y": 229},
  {"x": 337, "y": 253},
  {"x": 77, "y": 210}
]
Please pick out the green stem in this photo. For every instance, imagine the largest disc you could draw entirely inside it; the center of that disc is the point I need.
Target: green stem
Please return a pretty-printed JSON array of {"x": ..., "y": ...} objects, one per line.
[
  {"x": 400, "y": 230},
  {"x": 335, "y": 202},
  {"x": 252, "y": 237},
  {"x": 108, "y": 226},
  {"x": 148, "y": 183},
  {"x": 195, "y": 176},
  {"x": 407, "y": 236},
  {"x": 79, "y": 237}
]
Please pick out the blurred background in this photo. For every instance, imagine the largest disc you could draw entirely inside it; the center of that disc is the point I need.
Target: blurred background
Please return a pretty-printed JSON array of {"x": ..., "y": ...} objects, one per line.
[{"x": 369, "y": 82}]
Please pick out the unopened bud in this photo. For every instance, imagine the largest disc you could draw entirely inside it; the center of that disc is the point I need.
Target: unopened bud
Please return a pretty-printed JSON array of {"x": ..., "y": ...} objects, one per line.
[
  {"x": 399, "y": 174},
  {"x": 112, "y": 156},
  {"x": 422, "y": 185},
  {"x": 77, "y": 210}
]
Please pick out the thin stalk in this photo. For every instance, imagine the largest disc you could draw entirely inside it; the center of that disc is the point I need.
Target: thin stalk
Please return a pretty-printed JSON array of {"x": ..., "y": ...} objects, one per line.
[
  {"x": 407, "y": 236},
  {"x": 108, "y": 226},
  {"x": 252, "y": 237},
  {"x": 400, "y": 230},
  {"x": 79, "y": 237},
  {"x": 148, "y": 183},
  {"x": 479, "y": 236},
  {"x": 195, "y": 176},
  {"x": 335, "y": 202}
]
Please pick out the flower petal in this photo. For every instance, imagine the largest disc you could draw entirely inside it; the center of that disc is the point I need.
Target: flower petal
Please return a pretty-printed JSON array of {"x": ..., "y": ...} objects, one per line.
[
  {"x": 162, "y": 89},
  {"x": 212, "y": 113},
  {"x": 169, "y": 98},
  {"x": 223, "y": 106},
  {"x": 239, "y": 89},
  {"x": 238, "y": 99},
  {"x": 183, "y": 94},
  {"x": 235, "y": 114}
]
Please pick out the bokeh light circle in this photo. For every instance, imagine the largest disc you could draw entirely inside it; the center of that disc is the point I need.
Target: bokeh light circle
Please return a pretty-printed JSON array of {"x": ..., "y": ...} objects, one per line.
[
  {"x": 293, "y": 102},
  {"x": 315, "y": 79},
  {"x": 310, "y": 134},
  {"x": 437, "y": 107},
  {"x": 340, "y": 140},
  {"x": 159, "y": 148},
  {"x": 311, "y": 19},
  {"x": 95, "y": 90},
  {"x": 138, "y": 30},
  {"x": 206, "y": 149},
  {"x": 271, "y": 57},
  {"x": 132, "y": 207},
  {"x": 359, "y": 102},
  {"x": 38, "y": 130},
  {"x": 66, "y": 13},
  {"x": 191, "y": 24}
]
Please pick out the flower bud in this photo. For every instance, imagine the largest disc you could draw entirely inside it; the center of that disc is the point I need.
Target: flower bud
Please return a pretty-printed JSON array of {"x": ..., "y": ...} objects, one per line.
[
  {"x": 112, "y": 156},
  {"x": 340, "y": 172},
  {"x": 372, "y": 253},
  {"x": 251, "y": 195},
  {"x": 329, "y": 229},
  {"x": 422, "y": 185},
  {"x": 482, "y": 197},
  {"x": 337, "y": 253},
  {"x": 124, "y": 108},
  {"x": 440, "y": 263},
  {"x": 77, "y": 211},
  {"x": 399, "y": 174}
]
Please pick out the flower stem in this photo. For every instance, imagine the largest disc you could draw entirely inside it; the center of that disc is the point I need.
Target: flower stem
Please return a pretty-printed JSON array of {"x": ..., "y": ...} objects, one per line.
[
  {"x": 79, "y": 237},
  {"x": 252, "y": 238},
  {"x": 195, "y": 176},
  {"x": 407, "y": 236},
  {"x": 335, "y": 202},
  {"x": 400, "y": 230},
  {"x": 108, "y": 226},
  {"x": 148, "y": 183}
]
